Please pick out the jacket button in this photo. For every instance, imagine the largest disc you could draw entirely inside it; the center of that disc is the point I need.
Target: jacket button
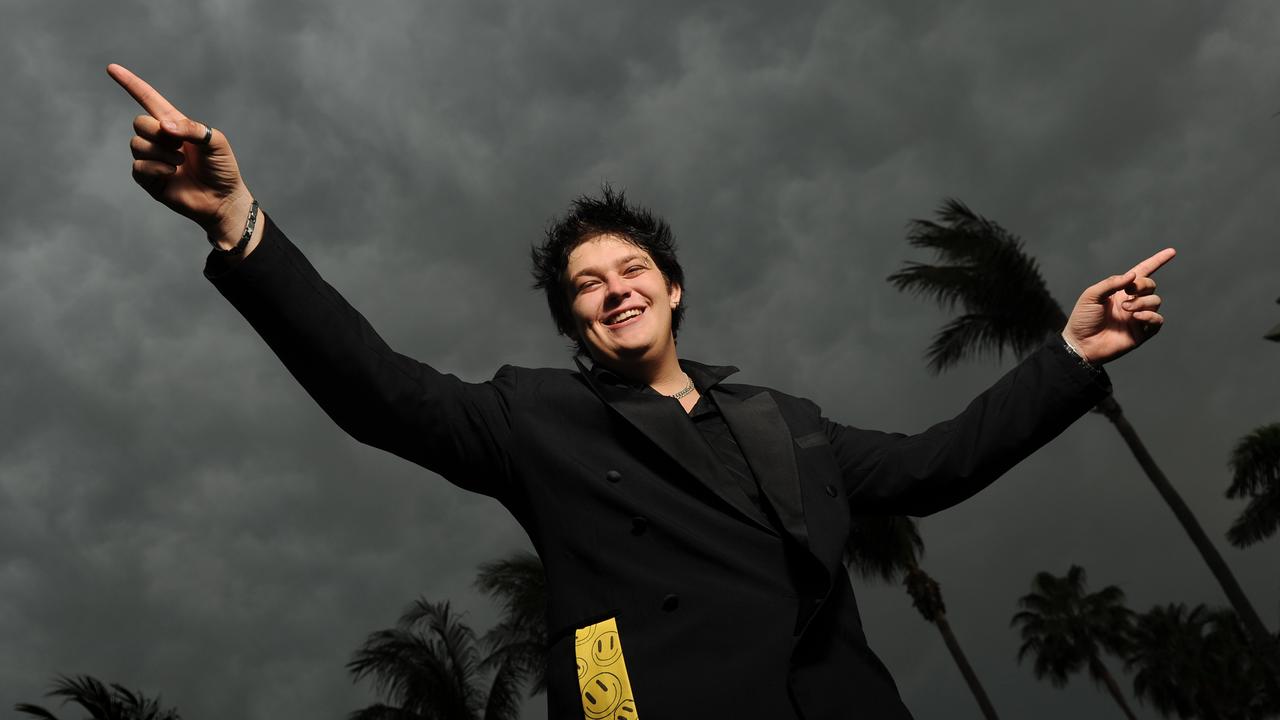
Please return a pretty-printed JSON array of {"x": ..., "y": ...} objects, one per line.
[
  {"x": 613, "y": 476},
  {"x": 639, "y": 524},
  {"x": 831, "y": 490},
  {"x": 670, "y": 603}
]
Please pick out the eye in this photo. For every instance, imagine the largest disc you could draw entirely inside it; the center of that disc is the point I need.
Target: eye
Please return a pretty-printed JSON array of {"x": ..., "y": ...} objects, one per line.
[
  {"x": 587, "y": 285},
  {"x": 633, "y": 270}
]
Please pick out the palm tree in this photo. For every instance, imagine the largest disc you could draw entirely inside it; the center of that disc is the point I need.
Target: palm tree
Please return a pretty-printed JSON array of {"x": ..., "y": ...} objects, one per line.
[
  {"x": 1067, "y": 629},
  {"x": 429, "y": 667},
  {"x": 1195, "y": 664},
  {"x": 984, "y": 269},
  {"x": 887, "y": 548},
  {"x": 519, "y": 584},
  {"x": 100, "y": 701},
  {"x": 1255, "y": 465}
]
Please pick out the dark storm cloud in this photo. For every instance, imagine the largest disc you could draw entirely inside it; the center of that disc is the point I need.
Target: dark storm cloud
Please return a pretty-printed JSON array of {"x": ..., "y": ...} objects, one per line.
[{"x": 176, "y": 514}]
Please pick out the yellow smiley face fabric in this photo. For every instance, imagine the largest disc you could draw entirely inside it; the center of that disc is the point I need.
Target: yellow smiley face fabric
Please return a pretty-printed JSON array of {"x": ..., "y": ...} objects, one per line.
[{"x": 602, "y": 673}]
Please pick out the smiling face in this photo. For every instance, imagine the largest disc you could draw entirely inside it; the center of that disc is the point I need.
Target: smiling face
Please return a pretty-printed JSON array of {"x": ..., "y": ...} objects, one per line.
[{"x": 621, "y": 302}]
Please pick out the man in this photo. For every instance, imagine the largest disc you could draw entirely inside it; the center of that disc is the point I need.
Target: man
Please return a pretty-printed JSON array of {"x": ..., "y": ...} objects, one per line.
[{"x": 691, "y": 529}]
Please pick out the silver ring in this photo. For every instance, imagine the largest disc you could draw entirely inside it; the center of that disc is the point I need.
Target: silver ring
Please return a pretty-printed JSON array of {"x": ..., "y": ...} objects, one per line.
[{"x": 208, "y": 134}]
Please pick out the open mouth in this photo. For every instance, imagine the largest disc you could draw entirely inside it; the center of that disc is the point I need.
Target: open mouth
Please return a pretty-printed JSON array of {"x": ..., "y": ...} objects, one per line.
[{"x": 622, "y": 318}]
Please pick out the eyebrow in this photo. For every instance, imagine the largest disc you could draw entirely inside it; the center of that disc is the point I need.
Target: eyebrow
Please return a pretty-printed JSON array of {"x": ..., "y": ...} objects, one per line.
[{"x": 596, "y": 271}]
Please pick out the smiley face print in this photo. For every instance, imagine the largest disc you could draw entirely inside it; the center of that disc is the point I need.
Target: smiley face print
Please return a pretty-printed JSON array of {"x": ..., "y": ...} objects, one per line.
[{"x": 602, "y": 673}]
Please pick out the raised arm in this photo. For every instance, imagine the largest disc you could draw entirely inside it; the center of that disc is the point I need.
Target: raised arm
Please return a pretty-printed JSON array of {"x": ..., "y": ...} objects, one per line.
[
  {"x": 897, "y": 474},
  {"x": 920, "y": 474},
  {"x": 380, "y": 397}
]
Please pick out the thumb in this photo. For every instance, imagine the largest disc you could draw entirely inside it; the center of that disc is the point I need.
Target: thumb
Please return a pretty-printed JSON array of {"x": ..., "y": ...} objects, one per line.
[
  {"x": 187, "y": 130},
  {"x": 1103, "y": 290}
]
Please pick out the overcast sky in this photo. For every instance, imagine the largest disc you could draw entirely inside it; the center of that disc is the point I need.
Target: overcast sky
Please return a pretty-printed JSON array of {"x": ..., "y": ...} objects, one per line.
[{"x": 177, "y": 515}]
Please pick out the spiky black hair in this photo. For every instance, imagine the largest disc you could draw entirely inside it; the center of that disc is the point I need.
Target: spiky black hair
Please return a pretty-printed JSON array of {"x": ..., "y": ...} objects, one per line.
[{"x": 588, "y": 217}]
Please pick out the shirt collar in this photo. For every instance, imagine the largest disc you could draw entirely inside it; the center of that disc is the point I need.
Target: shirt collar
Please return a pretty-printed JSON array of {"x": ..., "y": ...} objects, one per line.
[{"x": 704, "y": 376}]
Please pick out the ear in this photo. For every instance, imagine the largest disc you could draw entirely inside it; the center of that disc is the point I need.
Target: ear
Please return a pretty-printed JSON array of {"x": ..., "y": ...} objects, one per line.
[{"x": 675, "y": 296}]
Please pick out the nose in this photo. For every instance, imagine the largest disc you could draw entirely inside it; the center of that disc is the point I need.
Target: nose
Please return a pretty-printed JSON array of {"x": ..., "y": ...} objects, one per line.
[{"x": 617, "y": 287}]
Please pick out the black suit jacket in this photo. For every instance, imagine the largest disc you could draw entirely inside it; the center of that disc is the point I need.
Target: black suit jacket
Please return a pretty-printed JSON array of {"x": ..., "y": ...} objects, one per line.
[{"x": 719, "y": 612}]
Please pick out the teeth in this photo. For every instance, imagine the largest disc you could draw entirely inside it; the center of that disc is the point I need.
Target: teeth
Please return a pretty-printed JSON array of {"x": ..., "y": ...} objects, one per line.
[{"x": 622, "y": 316}]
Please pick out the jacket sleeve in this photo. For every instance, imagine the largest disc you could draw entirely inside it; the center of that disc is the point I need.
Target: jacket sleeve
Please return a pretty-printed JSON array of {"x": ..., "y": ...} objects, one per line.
[
  {"x": 896, "y": 474},
  {"x": 380, "y": 397}
]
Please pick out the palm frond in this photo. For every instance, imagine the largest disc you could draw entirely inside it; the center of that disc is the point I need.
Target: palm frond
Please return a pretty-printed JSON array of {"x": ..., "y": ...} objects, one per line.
[
  {"x": 946, "y": 285},
  {"x": 983, "y": 269},
  {"x": 1166, "y": 649},
  {"x": 503, "y": 702},
  {"x": 518, "y": 583},
  {"x": 89, "y": 693},
  {"x": 528, "y": 658},
  {"x": 381, "y": 711},
  {"x": 1051, "y": 659},
  {"x": 959, "y": 235},
  {"x": 428, "y": 665},
  {"x": 100, "y": 701},
  {"x": 460, "y": 647},
  {"x": 1255, "y": 467},
  {"x": 883, "y": 547},
  {"x": 953, "y": 211},
  {"x": 35, "y": 711},
  {"x": 400, "y": 665},
  {"x": 138, "y": 706},
  {"x": 1258, "y": 521},
  {"x": 1255, "y": 463},
  {"x": 965, "y": 336}
]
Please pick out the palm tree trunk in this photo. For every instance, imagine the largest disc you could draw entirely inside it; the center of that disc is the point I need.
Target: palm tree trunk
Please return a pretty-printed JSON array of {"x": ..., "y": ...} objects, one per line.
[
  {"x": 970, "y": 677},
  {"x": 1260, "y": 640},
  {"x": 1100, "y": 670}
]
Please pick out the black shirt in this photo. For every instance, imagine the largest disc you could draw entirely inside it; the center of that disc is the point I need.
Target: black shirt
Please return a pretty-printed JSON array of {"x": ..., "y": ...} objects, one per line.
[
  {"x": 706, "y": 417},
  {"x": 710, "y": 423}
]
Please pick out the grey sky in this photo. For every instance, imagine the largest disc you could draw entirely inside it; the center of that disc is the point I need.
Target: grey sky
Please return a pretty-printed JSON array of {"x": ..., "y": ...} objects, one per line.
[{"x": 176, "y": 514}]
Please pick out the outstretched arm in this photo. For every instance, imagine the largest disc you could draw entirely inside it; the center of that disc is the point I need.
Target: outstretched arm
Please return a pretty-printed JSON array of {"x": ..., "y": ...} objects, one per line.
[
  {"x": 919, "y": 474},
  {"x": 380, "y": 397},
  {"x": 898, "y": 474}
]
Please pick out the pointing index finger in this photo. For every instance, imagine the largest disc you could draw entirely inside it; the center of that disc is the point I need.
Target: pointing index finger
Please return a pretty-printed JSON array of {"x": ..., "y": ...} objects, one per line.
[
  {"x": 1153, "y": 263},
  {"x": 150, "y": 100}
]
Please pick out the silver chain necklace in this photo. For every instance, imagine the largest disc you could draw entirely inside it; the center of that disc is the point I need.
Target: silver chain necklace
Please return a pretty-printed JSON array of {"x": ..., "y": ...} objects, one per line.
[{"x": 685, "y": 390}]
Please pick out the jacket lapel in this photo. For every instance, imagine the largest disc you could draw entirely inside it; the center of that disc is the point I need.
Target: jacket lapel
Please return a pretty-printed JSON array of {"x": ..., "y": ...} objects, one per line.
[
  {"x": 765, "y": 438},
  {"x": 665, "y": 423}
]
